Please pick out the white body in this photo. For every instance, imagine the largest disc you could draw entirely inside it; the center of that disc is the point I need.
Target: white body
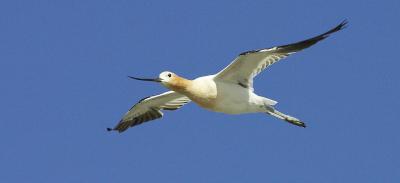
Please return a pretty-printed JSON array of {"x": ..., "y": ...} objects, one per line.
[{"x": 225, "y": 97}]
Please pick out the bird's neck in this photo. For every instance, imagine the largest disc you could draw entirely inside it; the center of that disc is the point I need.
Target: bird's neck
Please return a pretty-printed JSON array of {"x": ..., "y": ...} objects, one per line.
[{"x": 180, "y": 85}]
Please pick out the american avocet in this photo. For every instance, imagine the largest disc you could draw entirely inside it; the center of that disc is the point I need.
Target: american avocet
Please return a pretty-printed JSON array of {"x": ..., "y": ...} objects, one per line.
[{"x": 229, "y": 91}]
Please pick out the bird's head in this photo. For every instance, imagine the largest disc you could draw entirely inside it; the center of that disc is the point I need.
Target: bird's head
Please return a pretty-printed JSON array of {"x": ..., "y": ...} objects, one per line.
[{"x": 168, "y": 79}]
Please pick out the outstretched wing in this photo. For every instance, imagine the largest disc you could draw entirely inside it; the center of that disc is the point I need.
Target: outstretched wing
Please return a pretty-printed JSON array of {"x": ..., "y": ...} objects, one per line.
[
  {"x": 150, "y": 108},
  {"x": 248, "y": 64}
]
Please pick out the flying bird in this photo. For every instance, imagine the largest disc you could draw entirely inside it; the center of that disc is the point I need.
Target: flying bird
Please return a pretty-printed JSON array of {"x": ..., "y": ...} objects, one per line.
[{"x": 229, "y": 91}]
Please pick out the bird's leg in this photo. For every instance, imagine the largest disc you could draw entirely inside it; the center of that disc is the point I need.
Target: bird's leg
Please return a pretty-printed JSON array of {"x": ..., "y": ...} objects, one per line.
[{"x": 292, "y": 120}]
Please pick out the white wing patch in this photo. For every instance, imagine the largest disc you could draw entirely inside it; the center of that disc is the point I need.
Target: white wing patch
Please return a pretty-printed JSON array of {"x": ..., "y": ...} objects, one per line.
[{"x": 267, "y": 61}]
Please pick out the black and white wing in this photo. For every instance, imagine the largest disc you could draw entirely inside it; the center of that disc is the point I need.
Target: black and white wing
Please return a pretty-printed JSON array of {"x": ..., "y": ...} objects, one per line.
[
  {"x": 248, "y": 64},
  {"x": 150, "y": 108}
]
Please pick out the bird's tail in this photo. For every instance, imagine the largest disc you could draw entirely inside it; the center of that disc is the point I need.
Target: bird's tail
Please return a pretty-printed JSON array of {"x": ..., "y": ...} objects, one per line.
[{"x": 287, "y": 118}]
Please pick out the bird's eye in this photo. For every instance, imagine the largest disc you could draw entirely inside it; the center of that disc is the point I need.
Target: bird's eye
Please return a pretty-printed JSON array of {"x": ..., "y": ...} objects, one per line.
[{"x": 169, "y": 75}]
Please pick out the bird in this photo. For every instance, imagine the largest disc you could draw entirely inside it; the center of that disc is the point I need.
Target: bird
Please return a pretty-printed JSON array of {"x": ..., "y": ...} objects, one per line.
[{"x": 229, "y": 91}]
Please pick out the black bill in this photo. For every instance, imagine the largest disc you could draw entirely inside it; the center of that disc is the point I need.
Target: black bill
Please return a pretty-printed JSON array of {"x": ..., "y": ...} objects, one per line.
[{"x": 145, "y": 79}]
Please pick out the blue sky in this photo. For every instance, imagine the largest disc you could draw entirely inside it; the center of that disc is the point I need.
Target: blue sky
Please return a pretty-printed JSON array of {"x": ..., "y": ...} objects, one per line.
[{"x": 63, "y": 68}]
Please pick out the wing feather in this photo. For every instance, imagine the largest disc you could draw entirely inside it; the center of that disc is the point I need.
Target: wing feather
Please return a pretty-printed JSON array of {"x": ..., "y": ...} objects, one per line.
[
  {"x": 249, "y": 64},
  {"x": 150, "y": 108}
]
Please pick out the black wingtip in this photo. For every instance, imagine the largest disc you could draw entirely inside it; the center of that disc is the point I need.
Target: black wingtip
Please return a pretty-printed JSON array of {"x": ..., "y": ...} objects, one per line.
[
  {"x": 341, "y": 26},
  {"x": 344, "y": 23},
  {"x": 294, "y": 47},
  {"x": 109, "y": 129}
]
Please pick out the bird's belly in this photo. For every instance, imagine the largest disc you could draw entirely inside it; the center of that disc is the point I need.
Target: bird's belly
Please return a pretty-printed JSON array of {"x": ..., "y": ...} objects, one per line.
[
  {"x": 207, "y": 103},
  {"x": 227, "y": 103},
  {"x": 232, "y": 106}
]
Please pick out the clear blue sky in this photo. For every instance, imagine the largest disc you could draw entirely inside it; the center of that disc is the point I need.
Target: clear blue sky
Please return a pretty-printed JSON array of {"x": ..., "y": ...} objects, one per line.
[{"x": 63, "y": 68}]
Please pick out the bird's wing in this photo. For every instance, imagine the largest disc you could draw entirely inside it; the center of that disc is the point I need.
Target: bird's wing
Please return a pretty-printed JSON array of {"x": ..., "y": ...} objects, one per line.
[
  {"x": 248, "y": 64},
  {"x": 150, "y": 108}
]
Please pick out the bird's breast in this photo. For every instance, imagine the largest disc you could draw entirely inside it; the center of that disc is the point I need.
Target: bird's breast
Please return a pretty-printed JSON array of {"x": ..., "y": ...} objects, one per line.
[{"x": 203, "y": 91}]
